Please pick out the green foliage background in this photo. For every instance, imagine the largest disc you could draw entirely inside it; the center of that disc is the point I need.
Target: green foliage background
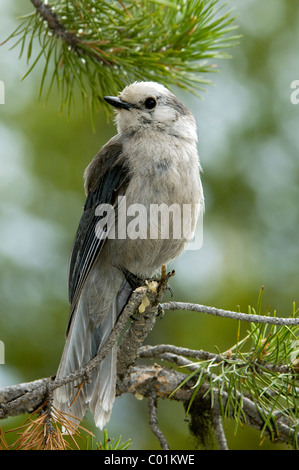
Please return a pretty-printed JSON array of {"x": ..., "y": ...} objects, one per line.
[{"x": 248, "y": 144}]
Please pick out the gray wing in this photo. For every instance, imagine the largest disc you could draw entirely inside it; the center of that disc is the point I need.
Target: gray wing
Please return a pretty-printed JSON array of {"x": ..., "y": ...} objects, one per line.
[{"x": 107, "y": 179}]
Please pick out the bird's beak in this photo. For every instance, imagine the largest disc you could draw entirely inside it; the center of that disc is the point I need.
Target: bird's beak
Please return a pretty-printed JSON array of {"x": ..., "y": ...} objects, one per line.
[{"x": 117, "y": 102}]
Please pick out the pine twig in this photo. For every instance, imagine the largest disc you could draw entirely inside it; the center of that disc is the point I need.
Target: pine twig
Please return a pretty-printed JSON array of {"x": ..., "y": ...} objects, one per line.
[
  {"x": 218, "y": 312},
  {"x": 59, "y": 30},
  {"x": 219, "y": 432},
  {"x": 100, "y": 47},
  {"x": 153, "y": 421},
  {"x": 263, "y": 365},
  {"x": 149, "y": 351}
]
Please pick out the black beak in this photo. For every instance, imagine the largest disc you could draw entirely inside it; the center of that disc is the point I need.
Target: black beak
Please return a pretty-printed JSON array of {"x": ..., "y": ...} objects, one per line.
[{"x": 117, "y": 102}]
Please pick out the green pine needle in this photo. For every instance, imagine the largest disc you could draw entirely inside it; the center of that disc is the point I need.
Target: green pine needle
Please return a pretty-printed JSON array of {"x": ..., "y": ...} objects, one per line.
[
  {"x": 263, "y": 366},
  {"x": 90, "y": 49},
  {"x": 112, "y": 444}
]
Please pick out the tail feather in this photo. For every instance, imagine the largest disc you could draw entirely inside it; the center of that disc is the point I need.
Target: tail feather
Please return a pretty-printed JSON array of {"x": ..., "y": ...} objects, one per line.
[
  {"x": 103, "y": 392},
  {"x": 102, "y": 388},
  {"x": 84, "y": 340}
]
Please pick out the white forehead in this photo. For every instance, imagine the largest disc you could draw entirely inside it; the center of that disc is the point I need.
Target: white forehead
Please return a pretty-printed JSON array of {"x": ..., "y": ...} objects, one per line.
[
  {"x": 170, "y": 115},
  {"x": 140, "y": 90}
]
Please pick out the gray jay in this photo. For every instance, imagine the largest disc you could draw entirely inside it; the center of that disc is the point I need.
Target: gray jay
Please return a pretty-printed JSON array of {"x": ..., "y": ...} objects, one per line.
[{"x": 150, "y": 163}]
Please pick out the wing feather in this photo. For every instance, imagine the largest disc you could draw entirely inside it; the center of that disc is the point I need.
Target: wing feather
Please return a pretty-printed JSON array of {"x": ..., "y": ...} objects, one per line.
[{"x": 106, "y": 179}]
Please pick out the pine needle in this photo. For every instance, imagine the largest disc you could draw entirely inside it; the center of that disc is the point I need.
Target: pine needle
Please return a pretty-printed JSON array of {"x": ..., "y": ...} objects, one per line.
[
  {"x": 47, "y": 429},
  {"x": 262, "y": 366},
  {"x": 102, "y": 46}
]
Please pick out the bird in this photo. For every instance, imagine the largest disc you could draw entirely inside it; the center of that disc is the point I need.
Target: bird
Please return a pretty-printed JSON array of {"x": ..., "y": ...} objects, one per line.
[{"x": 151, "y": 162}]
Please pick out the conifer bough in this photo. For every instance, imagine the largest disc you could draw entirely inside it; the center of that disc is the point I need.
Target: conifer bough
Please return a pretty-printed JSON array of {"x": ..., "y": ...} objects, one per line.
[{"x": 99, "y": 47}]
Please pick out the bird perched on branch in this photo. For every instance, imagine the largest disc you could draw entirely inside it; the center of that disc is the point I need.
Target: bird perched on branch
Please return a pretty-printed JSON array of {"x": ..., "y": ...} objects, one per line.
[{"x": 143, "y": 199}]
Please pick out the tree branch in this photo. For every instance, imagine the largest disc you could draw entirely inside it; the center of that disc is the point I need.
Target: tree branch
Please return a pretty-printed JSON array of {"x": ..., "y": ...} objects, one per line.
[
  {"x": 158, "y": 351},
  {"x": 142, "y": 380},
  {"x": 219, "y": 432},
  {"x": 153, "y": 421},
  {"x": 176, "y": 354},
  {"x": 72, "y": 40},
  {"x": 178, "y": 47},
  {"x": 142, "y": 325},
  {"x": 218, "y": 312},
  {"x": 48, "y": 15}
]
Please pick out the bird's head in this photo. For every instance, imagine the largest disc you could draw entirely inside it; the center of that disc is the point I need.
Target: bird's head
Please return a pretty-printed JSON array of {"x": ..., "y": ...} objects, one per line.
[{"x": 149, "y": 105}]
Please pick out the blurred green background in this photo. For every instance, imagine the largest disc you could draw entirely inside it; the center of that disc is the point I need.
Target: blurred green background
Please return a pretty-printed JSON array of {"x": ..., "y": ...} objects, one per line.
[{"x": 248, "y": 144}]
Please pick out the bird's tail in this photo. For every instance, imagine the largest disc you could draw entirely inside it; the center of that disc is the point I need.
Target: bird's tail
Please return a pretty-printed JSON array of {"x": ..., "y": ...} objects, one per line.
[{"x": 85, "y": 338}]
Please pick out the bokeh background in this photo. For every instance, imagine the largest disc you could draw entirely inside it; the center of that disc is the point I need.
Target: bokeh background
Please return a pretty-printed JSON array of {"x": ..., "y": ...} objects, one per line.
[{"x": 248, "y": 144}]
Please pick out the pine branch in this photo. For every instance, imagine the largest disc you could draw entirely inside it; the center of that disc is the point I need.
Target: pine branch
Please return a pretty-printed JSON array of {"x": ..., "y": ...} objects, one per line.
[
  {"x": 99, "y": 47},
  {"x": 153, "y": 421},
  {"x": 59, "y": 30},
  {"x": 218, "y": 312},
  {"x": 255, "y": 381},
  {"x": 219, "y": 432},
  {"x": 172, "y": 384}
]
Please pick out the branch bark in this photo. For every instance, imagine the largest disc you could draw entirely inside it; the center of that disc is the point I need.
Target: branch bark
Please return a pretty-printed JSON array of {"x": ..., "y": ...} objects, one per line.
[
  {"x": 48, "y": 15},
  {"x": 153, "y": 421},
  {"x": 141, "y": 381}
]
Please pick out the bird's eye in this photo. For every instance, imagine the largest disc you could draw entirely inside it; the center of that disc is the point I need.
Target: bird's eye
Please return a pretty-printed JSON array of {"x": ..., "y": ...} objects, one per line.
[{"x": 150, "y": 103}]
